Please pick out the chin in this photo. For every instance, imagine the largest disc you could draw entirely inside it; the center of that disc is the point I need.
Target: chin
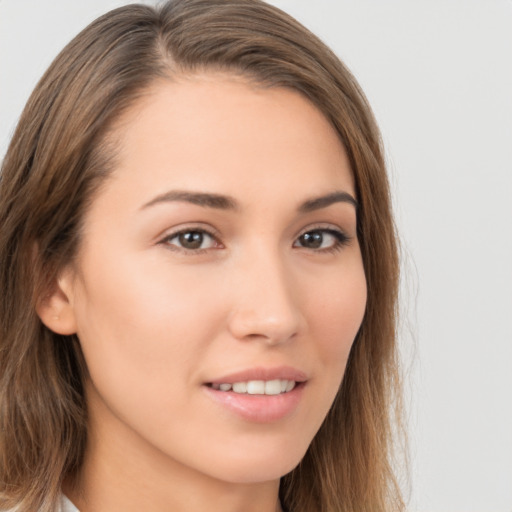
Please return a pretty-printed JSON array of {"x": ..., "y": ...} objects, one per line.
[
  {"x": 257, "y": 465},
  {"x": 256, "y": 474}
]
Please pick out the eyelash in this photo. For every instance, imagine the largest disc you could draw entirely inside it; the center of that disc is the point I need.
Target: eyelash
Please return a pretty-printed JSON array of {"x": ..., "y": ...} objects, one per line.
[
  {"x": 166, "y": 241},
  {"x": 341, "y": 240}
]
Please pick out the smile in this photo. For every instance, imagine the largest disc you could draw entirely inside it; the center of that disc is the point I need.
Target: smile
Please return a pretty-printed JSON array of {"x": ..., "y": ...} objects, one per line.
[
  {"x": 257, "y": 387},
  {"x": 259, "y": 394}
]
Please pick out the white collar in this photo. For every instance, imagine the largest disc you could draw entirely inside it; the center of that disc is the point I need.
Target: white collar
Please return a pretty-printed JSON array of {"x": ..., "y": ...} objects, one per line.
[{"x": 66, "y": 506}]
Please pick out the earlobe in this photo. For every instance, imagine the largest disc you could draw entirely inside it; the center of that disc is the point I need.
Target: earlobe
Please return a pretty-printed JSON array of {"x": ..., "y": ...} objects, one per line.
[{"x": 56, "y": 309}]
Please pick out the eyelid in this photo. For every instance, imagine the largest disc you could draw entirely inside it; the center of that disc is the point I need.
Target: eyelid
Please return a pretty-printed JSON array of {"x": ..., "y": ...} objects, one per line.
[
  {"x": 342, "y": 237},
  {"x": 198, "y": 227},
  {"x": 333, "y": 228}
]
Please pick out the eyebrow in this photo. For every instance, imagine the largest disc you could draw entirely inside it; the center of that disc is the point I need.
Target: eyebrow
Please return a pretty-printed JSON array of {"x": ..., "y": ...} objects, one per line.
[
  {"x": 318, "y": 203},
  {"x": 203, "y": 199},
  {"x": 222, "y": 202}
]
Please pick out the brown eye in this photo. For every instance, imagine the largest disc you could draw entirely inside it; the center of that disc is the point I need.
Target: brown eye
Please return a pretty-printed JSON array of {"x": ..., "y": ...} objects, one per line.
[
  {"x": 191, "y": 240},
  {"x": 312, "y": 240},
  {"x": 321, "y": 239}
]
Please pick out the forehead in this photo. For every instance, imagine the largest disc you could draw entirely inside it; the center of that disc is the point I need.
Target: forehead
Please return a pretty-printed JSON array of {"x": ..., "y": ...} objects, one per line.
[{"x": 216, "y": 131}]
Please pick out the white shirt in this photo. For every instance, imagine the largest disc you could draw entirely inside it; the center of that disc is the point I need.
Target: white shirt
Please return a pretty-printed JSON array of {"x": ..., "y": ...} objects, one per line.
[{"x": 66, "y": 506}]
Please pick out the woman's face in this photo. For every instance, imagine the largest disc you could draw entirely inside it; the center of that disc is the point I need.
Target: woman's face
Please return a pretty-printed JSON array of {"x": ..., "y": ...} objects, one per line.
[{"x": 219, "y": 266}]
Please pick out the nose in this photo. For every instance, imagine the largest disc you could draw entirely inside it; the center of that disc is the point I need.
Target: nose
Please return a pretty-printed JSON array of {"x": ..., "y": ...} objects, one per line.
[{"x": 265, "y": 306}]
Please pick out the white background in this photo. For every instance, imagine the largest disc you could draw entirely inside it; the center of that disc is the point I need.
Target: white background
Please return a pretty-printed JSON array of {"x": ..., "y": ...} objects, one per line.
[{"x": 439, "y": 76}]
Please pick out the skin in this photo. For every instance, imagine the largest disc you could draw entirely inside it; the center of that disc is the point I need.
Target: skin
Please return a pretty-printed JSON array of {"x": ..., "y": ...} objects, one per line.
[{"x": 157, "y": 320}]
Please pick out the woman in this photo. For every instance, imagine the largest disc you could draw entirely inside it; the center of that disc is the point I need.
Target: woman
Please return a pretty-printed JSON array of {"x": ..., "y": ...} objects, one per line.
[{"x": 199, "y": 271}]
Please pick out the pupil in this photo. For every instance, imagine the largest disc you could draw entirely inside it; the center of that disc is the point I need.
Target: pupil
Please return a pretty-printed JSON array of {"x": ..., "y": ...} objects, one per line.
[
  {"x": 312, "y": 240},
  {"x": 191, "y": 240}
]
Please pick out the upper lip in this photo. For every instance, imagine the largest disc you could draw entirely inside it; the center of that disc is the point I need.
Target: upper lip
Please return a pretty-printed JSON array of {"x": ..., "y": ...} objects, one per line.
[{"x": 262, "y": 373}]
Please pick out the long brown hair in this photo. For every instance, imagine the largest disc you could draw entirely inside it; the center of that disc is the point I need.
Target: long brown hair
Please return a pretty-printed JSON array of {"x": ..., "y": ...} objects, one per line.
[{"x": 57, "y": 158}]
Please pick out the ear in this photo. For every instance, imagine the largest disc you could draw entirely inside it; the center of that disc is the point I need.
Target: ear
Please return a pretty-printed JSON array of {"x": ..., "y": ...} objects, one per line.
[{"x": 55, "y": 309}]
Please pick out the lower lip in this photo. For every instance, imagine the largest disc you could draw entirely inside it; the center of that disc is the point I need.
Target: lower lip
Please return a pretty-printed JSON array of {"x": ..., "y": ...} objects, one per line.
[{"x": 259, "y": 408}]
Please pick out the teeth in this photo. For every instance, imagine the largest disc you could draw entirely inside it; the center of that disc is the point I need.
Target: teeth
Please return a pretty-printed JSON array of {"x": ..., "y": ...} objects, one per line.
[
  {"x": 258, "y": 387},
  {"x": 273, "y": 387},
  {"x": 290, "y": 386},
  {"x": 240, "y": 387}
]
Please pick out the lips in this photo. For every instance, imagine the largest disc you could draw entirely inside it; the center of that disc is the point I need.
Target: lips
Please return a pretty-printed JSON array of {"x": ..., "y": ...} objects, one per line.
[
  {"x": 260, "y": 395},
  {"x": 262, "y": 374}
]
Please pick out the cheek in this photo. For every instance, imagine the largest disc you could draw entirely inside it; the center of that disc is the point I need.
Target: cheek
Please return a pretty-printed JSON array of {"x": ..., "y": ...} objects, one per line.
[
  {"x": 338, "y": 319},
  {"x": 139, "y": 328},
  {"x": 337, "y": 314}
]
